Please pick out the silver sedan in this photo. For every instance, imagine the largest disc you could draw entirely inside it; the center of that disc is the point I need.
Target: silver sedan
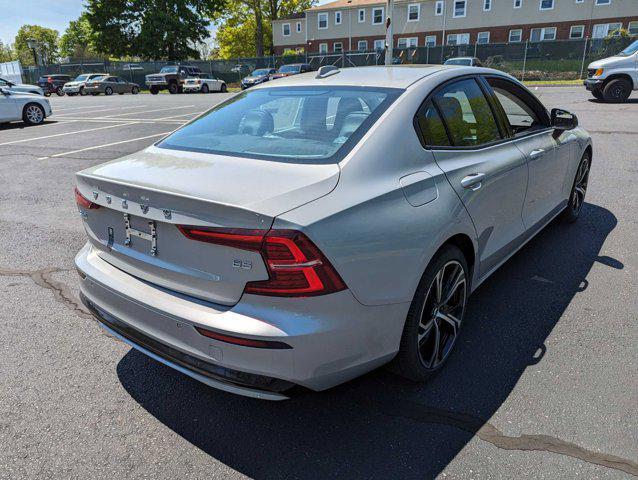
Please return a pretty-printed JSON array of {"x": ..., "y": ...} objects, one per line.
[{"x": 311, "y": 229}]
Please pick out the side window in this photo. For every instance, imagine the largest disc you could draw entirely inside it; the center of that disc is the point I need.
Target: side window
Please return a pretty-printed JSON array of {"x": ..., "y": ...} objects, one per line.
[
  {"x": 524, "y": 113},
  {"x": 432, "y": 127},
  {"x": 467, "y": 114}
]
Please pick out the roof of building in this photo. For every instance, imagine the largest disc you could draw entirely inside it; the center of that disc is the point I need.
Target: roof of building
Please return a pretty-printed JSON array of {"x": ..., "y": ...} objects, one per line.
[
  {"x": 346, "y": 4},
  {"x": 293, "y": 16}
]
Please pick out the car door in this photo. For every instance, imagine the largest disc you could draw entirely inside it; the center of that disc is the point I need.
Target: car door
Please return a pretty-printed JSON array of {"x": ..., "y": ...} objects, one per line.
[
  {"x": 488, "y": 173},
  {"x": 546, "y": 151},
  {"x": 8, "y": 108}
]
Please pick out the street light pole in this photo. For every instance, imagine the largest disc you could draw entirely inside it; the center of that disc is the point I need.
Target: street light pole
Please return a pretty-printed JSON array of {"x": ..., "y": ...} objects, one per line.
[
  {"x": 32, "y": 44},
  {"x": 389, "y": 43}
]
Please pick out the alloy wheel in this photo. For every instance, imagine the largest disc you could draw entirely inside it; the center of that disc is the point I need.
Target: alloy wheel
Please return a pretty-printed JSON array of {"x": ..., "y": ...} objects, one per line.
[
  {"x": 442, "y": 314},
  {"x": 580, "y": 186},
  {"x": 34, "y": 114}
]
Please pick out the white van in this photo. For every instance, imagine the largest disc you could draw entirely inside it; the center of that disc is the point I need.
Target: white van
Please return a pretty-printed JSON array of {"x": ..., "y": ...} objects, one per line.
[{"x": 612, "y": 79}]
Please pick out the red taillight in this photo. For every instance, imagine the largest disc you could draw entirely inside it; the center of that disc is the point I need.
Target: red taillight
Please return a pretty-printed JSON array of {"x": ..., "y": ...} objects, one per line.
[
  {"x": 84, "y": 202},
  {"x": 49, "y": 80},
  {"x": 244, "y": 342},
  {"x": 296, "y": 267}
]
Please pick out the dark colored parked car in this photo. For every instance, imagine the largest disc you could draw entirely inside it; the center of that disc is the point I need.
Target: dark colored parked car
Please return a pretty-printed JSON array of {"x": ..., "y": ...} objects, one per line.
[
  {"x": 53, "y": 83},
  {"x": 108, "y": 85},
  {"x": 258, "y": 76},
  {"x": 291, "y": 69},
  {"x": 171, "y": 78}
]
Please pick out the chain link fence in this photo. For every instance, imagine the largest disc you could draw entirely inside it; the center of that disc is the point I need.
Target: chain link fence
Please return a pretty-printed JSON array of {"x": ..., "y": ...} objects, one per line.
[{"x": 546, "y": 60}]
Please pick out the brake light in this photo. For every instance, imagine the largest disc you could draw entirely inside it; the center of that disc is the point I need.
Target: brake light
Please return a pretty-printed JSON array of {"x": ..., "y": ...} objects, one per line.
[
  {"x": 49, "y": 80},
  {"x": 296, "y": 267},
  {"x": 84, "y": 202}
]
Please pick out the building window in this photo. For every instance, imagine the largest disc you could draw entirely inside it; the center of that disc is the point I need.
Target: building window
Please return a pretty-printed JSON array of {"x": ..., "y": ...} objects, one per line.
[
  {"x": 458, "y": 39},
  {"x": 576, "y": 31},
  {"x": 322, "y": 21},
  {"x": 285, "y": 28},
  {"x": 603, "y": 2},
  {"x": 377, "y": 16},
  {"x": 414, "y": 12},
  {"x": 542, "y": 34},
  {"x": 459, "y": 8},
  {"x": 337, "y": 47},
  {"x": 547, "y": 5},
  {"x": 379, "y": 44},
  {"x": 298, "y": 27},
  {"x": 483, "y": 38},
  {"x": 633, "y": 28},
  {"x": 487, "y": 5},
  {"x": 362, "y": 15},
  {"x": 516, "y": 35},
  {"x": 580, "y": 1},
  {"x": 603, "y": 29},
  {"x": 438, "y": 8},
  {"x": 430, "y": 41},
  {"x": 337, "y": 18},
  {"x": 518, "y": 3},
  {"x": 323, "y": 48},
  {"x": 411, "y": 42},
  {"x": 362, "y": 45}
]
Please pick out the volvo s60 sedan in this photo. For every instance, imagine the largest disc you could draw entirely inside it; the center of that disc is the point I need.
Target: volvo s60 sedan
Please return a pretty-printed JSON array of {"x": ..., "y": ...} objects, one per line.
[
  {"x": 108, "y": 85},
  {"x": 308, "y": 230}
]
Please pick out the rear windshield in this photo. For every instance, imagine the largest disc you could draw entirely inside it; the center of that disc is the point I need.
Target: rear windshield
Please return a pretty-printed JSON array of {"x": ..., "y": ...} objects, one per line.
[
  {"x": 459, "y": 61},
  {"x": 303, "y": 124},
  {"x": 259, "y": 73},
  {"x": 289, "y": 68}
]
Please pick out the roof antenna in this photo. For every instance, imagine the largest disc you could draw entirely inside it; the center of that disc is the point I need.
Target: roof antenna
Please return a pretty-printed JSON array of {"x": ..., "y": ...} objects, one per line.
[{"x": 326, "y": 71}]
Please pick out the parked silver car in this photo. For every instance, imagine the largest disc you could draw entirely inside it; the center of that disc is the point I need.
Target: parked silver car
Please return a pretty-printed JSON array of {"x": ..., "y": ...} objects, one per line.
[
  {"x": 30, "y": 108},
  {"x": 109, "y": 84},
  {"x": 10, "y": 86},
  {"x": 311, "y": 229}
]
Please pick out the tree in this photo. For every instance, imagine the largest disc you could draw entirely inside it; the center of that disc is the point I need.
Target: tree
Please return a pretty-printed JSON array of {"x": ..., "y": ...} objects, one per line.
[
  {"x": 151, "y": 29},
  {"x": 6, "y": 53},
  {"x": 47, "y": 48},
  {"x": 77, "y": 40}
]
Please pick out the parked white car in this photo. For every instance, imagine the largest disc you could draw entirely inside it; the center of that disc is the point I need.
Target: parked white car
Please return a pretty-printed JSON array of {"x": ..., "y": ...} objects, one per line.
[
  {"x": 612, "y": 79},
  {"x": 20, "y": 87},
  {"x": 28, "y": 107},
  {"x": 204, "y": 85},
  {"x": 76, "y": 86}
]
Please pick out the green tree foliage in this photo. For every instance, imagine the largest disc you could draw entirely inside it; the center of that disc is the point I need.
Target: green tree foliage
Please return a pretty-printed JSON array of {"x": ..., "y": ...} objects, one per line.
[
  {"x": 151, "y": 29},
  {"x": 245, "y": 25},
  {"x": 77, "y": 40},
  {"x": 6, "y": 53},
  {"x": 47, "y": 49}
]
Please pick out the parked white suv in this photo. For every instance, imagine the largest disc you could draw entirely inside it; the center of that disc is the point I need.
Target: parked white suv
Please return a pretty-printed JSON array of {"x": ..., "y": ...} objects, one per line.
[
  {"x": 612, "y": 79},
  {"x": 28, "y": 107}
]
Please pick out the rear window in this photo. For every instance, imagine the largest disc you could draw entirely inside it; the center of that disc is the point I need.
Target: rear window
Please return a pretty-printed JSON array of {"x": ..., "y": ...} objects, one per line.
[
  {"x": 304, "y": 124},
  {"x": 289, "y": 68}
]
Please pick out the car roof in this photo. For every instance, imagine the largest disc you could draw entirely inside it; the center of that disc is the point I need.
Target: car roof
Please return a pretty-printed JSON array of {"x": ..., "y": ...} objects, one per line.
[{"x": 396, "y": 76}]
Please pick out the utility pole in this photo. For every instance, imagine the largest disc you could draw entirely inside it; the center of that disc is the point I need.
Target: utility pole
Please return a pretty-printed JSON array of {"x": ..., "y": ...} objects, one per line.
[{"x": 389, "y": 42}]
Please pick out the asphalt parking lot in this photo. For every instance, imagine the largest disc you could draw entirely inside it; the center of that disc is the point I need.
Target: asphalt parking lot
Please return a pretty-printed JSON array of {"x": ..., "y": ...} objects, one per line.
[{"x": 543, "y": 385}]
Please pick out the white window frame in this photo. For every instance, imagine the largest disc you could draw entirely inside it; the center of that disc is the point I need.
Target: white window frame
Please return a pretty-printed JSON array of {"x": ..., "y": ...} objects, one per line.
[
  {"x": 457, "y": 35},
  {"x": 338, "y": 17},
  {"x": 489, "y": 5},
  {"x": 298, "y": 27},
  {"x": 379, "y": 44},
  {"x": 454, "y": 2},
  {"x": 540, "y": 6},
  {"x": 359, "y": 17},
  {"x": 602, "y": 3},
  {"x": 635, "y": 27},
  {"x": 365, "y": 45},
  {"x": 323, "y": 48},
  {"x": 410, "y": 42},
  {"x": 580, "y": 1},
  {"x": 418, "y": 12},
  {"x": 283, "y": 29},
  {"x": 571, "y": 31},
  {"x": 518, "y": 3},
  {"x": 438, "y": 8},
  {"x": 319, "y": 17},
  {"x": 520, "y": 35},
  {"x": 543, "y": 33},
  {"x": 478, "y": 38},
  {"x": 428, "y": 42},
  {"x": 374, "y": 9},
  {"x": 334, "y": 47}
]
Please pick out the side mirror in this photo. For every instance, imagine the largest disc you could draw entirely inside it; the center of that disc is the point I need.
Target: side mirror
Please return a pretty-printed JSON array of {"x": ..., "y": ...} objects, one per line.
[
  {"x": 4, "y": 92},
  {"x": 563, "y": 120}
]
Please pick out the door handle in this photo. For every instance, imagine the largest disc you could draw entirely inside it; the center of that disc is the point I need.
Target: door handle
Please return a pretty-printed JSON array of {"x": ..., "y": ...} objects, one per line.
[
  {"x": 536, "y": 154},
  {"x": 473, "y": 181}
]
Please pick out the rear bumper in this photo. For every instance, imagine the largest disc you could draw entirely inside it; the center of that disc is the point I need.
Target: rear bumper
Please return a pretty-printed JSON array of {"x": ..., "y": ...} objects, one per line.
[
  {"x": 191, "y": 88},
  {"x": 72, "y": 89},
  {"x": 333, "y": 338}
]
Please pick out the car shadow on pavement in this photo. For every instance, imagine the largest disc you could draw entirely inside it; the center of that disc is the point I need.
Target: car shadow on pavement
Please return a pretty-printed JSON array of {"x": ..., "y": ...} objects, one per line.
[
  {"x": 379, "y": 426},
  {"x": 22, "y": 125}
]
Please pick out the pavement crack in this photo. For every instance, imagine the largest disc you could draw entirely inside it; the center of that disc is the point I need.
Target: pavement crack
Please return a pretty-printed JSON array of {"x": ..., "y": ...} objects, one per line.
[
  {"x": 489, "y": 433},
  {"x": 44, "y": 278}
]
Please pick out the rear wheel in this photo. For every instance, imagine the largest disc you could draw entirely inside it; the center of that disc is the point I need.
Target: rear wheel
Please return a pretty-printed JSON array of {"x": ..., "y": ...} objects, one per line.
[
  {"x": 224, "y": 88},
  {"x": 579, "y": 190},
  {"x": 617, "y": 90},
  {"x": 205, "y": 88},
  {"x": 108, "y": 91},
  {"x": 173, "y": 88},
  {"x": 82, "y": 92},
  {"x": 33, "y": 114},
  {"x": 435, "y": 316},
  {"x": 59, "y": 92}
]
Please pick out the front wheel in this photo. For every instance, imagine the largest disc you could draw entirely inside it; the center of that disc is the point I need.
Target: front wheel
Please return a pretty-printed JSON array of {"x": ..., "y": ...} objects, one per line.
[
  {"x": 82, "y": 92},
  {"x": 224, "y": 88},
  {"x": 173, "y": 88},
  {"x": 154, "y": 90},
  {"x": 617, "y": 90},
  {"x": 33, "y": 114},
  {"x": 579, "y": 190},
  {"x": 135, "y": 90},
  {"x": 597, "y": 94},
  {"x": 108, "y": 91},
  {"x": 59, "y": 92},
  {"x": 435, "y": 316}
]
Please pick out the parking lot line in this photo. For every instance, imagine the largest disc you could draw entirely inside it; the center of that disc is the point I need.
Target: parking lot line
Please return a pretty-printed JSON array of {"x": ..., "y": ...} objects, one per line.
[
  {"x": 106, "y": 110},
  {"x": 67, "y": 133},
  {"x": 80, "y": 108},
  {"x": 148, "y": 111},
  {"x": 181, "y": 115},
  {"x": 95, "y": 147},
  {"x": 119, "y": 120}
]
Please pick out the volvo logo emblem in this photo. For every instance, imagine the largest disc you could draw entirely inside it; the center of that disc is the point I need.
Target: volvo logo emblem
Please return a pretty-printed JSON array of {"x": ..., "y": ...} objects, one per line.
[
  {"x": 95, "y": 195},
  {"x": 108, "y": 199},
  {"x": 144, "y": 208},
  {"x": 124, "y": 204},
  {"x": 167, "y": 213}
]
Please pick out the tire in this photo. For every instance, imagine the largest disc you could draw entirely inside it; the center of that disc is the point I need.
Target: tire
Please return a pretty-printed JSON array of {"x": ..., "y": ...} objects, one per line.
[
  {"x": 108, "y": 91},
  {"x": 154, "y": 90},
  {"x": 579, "y": 190},
  {"x": 33, "y": 114},
  {"x": 597, "y": 94},
  {"x": 173, "y": 88},
  {"x": 82, "y": 92},
  {"x": 426, "y": 345},
  {"x": 47, "y": 94},
  {"x": 204, "y": 88},
  {"x": 617, "y": 90},
  {"x": 135, "y": 90},
  {"x": 59, "y": 92},
  {"x": 224, "y": 88}
]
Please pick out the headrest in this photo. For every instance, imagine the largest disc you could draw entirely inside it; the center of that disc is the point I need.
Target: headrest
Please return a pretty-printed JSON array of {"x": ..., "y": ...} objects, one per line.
[
  {"x": 451, "y": 107},
  {"x": 351, "y": 123},
  {"x": 257, "y": 122}
]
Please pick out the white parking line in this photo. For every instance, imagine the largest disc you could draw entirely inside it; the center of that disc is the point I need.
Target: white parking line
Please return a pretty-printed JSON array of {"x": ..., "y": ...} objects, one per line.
[
  {"x": 118, "y": 120},
  {"x": 95, "y": 147},
  {"x": 177, "y": 116},
  {"x": 80, "y": 108},
  {"x": 104, "y": 110},
  {"x": 67, "y": 133},
  {"x": 148, "y": 111}
]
